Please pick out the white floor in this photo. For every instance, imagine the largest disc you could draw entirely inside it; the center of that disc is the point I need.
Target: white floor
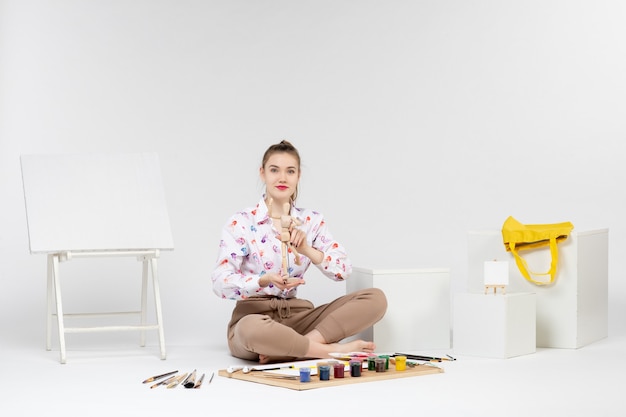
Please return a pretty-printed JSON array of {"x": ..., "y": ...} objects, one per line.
[{"x": 104, "y": 378}]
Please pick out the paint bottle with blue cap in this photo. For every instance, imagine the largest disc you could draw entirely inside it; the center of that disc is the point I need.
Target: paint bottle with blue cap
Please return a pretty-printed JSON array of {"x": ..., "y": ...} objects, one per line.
[
  {"x": 305, "y": 374},
  {"x": 324, "y": 372}
]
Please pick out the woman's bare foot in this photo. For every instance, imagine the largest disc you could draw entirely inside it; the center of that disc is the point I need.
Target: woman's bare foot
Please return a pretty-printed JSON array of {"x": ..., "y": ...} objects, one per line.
[
  {"x": 323, "y": 350},
  {"x": 318, "y": 348}
]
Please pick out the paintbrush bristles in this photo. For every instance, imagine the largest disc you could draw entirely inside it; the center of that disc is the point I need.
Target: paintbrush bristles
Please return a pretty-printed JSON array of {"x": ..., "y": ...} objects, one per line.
[{"x": 190, "y": 381}]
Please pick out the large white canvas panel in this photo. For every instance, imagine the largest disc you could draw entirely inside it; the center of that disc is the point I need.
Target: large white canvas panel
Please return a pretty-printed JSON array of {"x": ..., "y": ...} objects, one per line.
[{"x": 86, "y": 202}]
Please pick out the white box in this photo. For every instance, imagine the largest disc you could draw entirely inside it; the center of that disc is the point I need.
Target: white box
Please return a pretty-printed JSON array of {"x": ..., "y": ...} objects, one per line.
[
  {"x": 418, "y": 311},
  {"x": 494, "y": 325},
  {"x": 573, "y": 311}
]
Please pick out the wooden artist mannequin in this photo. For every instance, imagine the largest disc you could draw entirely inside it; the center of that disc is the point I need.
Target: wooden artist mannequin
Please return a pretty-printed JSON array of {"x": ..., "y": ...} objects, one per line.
[{"x": 287, "y": 223}]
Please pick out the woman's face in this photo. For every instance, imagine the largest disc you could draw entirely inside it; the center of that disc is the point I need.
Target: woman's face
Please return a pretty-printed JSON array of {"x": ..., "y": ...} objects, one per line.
[{"x": 280, "y": 174}]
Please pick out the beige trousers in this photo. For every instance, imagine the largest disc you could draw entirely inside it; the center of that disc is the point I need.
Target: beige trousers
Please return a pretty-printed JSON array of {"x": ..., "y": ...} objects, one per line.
[{"x": 276, "y": 327}]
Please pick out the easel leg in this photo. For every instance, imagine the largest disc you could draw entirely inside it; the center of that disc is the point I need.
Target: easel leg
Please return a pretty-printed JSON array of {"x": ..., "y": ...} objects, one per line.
[
  {"x": 49, "y": 303},
  {"x": 144, "y": 298},
  {"x": 495, "y": 289},
  {"x": 157, "y": 304},
  {"x": 59, "y": 305}
]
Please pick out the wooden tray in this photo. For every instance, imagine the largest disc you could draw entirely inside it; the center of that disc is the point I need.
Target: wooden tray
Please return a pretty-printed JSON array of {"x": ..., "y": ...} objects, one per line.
[{"x": 366, "y": 376}]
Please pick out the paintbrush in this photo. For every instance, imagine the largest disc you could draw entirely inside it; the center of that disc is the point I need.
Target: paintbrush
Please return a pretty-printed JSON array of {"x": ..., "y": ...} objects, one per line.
[
  {"x": 425, "y": 358},
  {"x": 278, "y": 376},
  {"x": 154, "y": 378},
  {"x": 198, "y": 383},
  {"x": 190, "y": 381},
  {"x": 176, "y": 381},
  {"x": 164, "y": 382}
]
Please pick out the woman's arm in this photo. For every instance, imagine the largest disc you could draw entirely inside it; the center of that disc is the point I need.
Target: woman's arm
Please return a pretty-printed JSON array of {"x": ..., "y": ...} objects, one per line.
[
  {"x": 229, "y": 281},
  {"x": 327, "y": 254}
]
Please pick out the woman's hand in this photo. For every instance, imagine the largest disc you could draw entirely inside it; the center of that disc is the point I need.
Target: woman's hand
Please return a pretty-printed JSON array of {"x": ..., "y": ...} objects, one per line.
[
  {"x": 298, "y": 240},
  {"x": 283, "y": 282}
]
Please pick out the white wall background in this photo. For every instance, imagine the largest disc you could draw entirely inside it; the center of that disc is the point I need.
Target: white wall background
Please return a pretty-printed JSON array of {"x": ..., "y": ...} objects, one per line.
[{"x": 416, "y": 120}]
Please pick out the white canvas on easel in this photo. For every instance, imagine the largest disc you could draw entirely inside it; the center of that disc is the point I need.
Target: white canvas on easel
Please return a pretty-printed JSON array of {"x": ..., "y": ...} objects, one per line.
[
  {"x": 97, "y": 205},
  {"x": 95, "y": 202},
  {"x": 496, "y": 275}
]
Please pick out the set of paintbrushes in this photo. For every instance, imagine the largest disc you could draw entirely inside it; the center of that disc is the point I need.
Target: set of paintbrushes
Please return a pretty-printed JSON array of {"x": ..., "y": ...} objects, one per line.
[
  {"x": 425, "y": 358},
  {"x": 173, "y": 379}
]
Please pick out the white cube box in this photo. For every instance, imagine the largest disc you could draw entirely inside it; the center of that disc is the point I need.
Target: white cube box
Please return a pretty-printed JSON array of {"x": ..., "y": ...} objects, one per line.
[
  {"x": 573, "y": 311},
  {"x": 494, "y": 325},
  {"x": 418, "y": 312}
]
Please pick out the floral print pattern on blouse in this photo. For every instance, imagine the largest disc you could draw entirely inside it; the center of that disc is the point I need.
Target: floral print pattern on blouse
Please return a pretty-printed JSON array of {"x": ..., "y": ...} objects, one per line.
[{"x": 250, "y": 247}]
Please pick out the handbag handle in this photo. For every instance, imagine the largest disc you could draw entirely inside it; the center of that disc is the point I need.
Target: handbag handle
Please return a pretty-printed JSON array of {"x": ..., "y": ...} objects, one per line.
[{"x": 523, "y": 265}]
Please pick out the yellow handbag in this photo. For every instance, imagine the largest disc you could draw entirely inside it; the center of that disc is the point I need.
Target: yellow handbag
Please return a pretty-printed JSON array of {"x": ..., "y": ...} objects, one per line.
[{"x": 517, "y": 237}]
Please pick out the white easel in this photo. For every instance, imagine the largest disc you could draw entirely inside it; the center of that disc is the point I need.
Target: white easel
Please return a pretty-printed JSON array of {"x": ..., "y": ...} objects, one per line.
[
  {"x": 496, "y": 276},
  {"x": 97, "y": 205}
]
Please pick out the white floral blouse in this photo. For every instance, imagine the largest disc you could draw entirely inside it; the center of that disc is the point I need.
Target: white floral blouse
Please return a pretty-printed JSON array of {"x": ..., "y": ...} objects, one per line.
[{"x": 250, "y": 247}]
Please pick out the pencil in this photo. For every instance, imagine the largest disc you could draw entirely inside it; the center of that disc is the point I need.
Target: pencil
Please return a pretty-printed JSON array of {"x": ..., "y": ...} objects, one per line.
[
  {"x": 176, "y": 381},
  {"x": 154, "y": 378},
  {"x": 199, "y": 382},
  {"x": 165, "y": 381}
]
